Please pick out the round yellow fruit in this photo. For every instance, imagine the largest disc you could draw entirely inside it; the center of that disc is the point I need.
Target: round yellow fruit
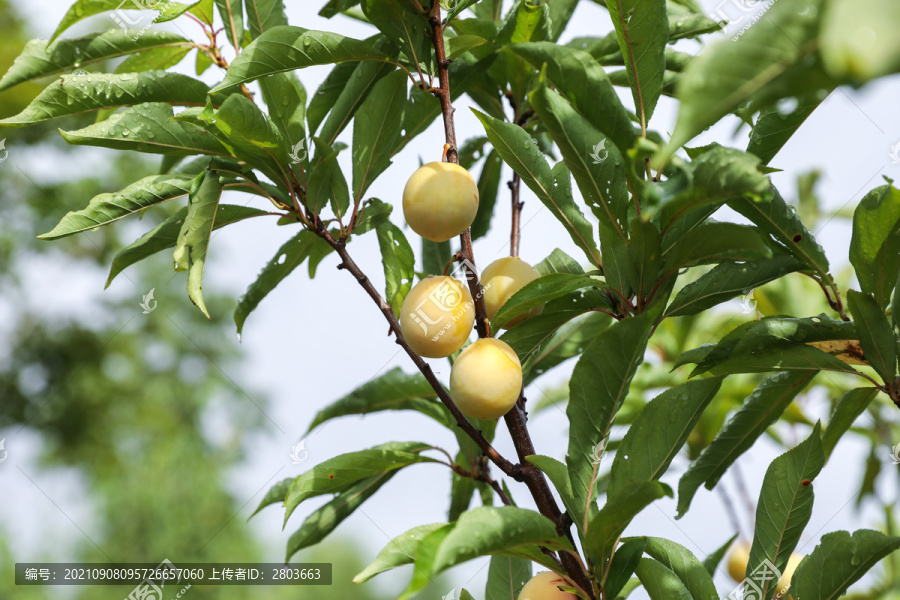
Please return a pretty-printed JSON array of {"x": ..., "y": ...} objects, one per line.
[
  {"x": 503, "y": 278},
  {"x": 440, "y": 201},
  {"x": 486, "y": 379},
  {"x": 788, "y": 572},
  {"x": 738, "y": 559},
  {"x": 543, "y": 586},
  {"x": 437, "y": 316}
]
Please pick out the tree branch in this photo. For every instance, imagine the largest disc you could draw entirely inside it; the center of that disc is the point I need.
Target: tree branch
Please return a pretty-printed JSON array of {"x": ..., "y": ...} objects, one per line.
[
  {"x": 515, "y": 418},
  {"x": 443, "y": 94},
  {"x": 516, "y": 229}
]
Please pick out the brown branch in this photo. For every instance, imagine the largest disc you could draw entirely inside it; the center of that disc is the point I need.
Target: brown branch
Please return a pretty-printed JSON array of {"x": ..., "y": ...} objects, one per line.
[
  {"x": 515, "y": 419},
  {"x": 514, "y": 471},
  {"x": 516, "y": 229},
  {"x": 443, "y": 94}
]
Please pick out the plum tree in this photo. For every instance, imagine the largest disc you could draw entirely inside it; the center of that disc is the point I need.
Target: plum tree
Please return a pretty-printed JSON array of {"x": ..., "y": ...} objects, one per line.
[
  {"x": 545, "y": 586},
  {"x": 649, "y": 217},
  {"x": 437, "y": 316},
  {"x": 440, "y": 201},
  {"x": 486, "y": 379},
  {"x": 503, "y": 278}
]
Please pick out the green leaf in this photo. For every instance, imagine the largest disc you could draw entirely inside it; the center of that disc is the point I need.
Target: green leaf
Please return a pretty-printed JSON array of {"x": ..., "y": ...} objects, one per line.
[
  {"x": 38, "y": 59},
  {"x": 461, "y": 44},
  {"x": 773, "y": 128},
  {"x": 83, "y": 9},
  {"x": 767, "y": 403},
  {"x": 506, "y": 531},
  {"x": 326, "y": 183},
  {"x": 400, "y": 551},
  {"x": 585, "y": 84},
  {"x": 718, "y": 175},
  {"x": 162, "y": 58},
  {"x": 558, "y": 474},
  {"x": 727, "y": 74},
  {"x": 354, "y": 93},
  {"x": 553, "y": 189},
  {"x": 715, "y": 242},
  {"x": 643, "y": 31},
  {"x": 772, "y": 333},
  {"x": 660, "y": 582},
  {"x": 488, "y": 188},
  {"x": 620, "y": 509},
  {"x": 400, "y": 22},
  {"x": 622, "y": 566},
  {"x": 774, "y": 217},
  {"x": 435, "y": 256},
  {"x": 249, "y": 134},
  {"x": 285, "y": 97},
  {"x": 690, "y": 25},
  {"x": 550, "y": 339},
  {"x": 193, "y": 239},
  {"x": 659, "y": 432},
  {"x": 107, "y": 208},
  {"x": 848, "y": 34},
  {"x": 876, "y": 336},
  {"x": 148, "y": 128},
  {"x": 785, "y": 506},
  {"x": 597, "y": 390},
  {"x": 263, "y": 15},
  {"x": 711, "y": 562},
  {"x": 276, "y": 494},
  {"x": 506, "y": 578},
  {"x": 791, "y": 358},
  {"x": 643, "y": 258},
  {"x": 328, "y": 92},
  {"x": 165, "y": 235},
  {"x": 875, "y": 242},
  {"x": 376, "y": 130},
  {"x": 326, "y": 519},
  {"x": 839, "y": 561},
  {"x": 341, "y": 472},
  {"x": 399, "y": 264},
  {"x": 289, "y": 256},
  {"x": 598, "y": 171},
  {"x": 203, "y": 10},
  {"x": 374, "y": 213},
  {"x": 539, "y": 292},
  {"x": 287, "y": 48},
  {"x": 728, "y": 280},
  {"x": 76, "y": 94},
  {"x": 232, "y": 14},
  {"x": 685, "y": 565},
  {"x": 394, "y": 390},
  {"x": 851, "y": 405}
]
